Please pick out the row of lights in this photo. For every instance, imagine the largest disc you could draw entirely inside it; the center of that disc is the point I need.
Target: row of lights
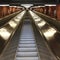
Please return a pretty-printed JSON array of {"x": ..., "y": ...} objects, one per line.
[
  {"x": 9, "y": 5},
  {"x": 45, "y": 5}
]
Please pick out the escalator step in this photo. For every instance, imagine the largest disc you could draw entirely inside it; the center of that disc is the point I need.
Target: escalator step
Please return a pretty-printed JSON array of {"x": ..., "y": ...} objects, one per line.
[
  {"x": 27, "y": 39},
  {"x": 26, "y": 49},
  {"x": 27, "y": 58},
  {"x": 27, "y": 45},
  {"x": 27, "y": 54},
  {"x": 27, "y": 42}
]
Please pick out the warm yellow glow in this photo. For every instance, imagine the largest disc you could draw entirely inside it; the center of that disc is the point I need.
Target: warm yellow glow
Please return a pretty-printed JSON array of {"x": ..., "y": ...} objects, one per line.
[
  {"x": 4, "y": 4},
  {"x": 35, "y": 17},
  {"x": 4, "y": 33},
  {"x": 19, "y": 16},
  {"x": 12, "y": 24},
  {"x": 49, "y": 33},
  {"x": 39, "y": 19},
  {"x": 31, "y": 13},
  {"x": 50, "y": 4},
  {"x": 41, "y": 24},
  {"x": 17, "y": 20}
]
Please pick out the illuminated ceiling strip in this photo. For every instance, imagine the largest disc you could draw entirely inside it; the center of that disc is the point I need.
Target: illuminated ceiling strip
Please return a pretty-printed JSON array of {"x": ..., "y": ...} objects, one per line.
[
  {"x": 4, "y": 4},
  {"x": 27, "y": 5},
  {"x": 50, "y": 4}
]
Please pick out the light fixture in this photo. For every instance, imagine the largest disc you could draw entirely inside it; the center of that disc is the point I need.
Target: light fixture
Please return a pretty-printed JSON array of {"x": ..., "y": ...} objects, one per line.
[
  {"x": 4, "y": 4},
  {"x": 50, "y": 4}
]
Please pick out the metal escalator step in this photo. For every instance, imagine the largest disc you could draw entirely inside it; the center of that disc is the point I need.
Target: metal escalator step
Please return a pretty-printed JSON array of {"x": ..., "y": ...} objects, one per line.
[
  {"x": 27, "y": 42},
  {"x": 27, "y": 45},
  {"x": 27, "y": 58},
  {"x": 27, "y": 39},
  {"x": 26, "y": 49},
  {"x": 26, "y": 31},
  {"x": 26, "y": 54},
  {"x": 27, "y": 35}
]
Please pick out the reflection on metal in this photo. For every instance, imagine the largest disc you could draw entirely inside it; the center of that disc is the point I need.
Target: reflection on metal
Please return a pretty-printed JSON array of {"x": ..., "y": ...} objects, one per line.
[
  {"x": 17, "y": 20},
  {"x": 49, "y": 33},
  {"x": 41, "y": 24},
  {"x": 4, "y": 33},
  {"x": 12, "y": 24},
  {"x": 35, "y": 17},
  {"x": 37, "y": 20},
  {"x": 7, "y": 30},
  {"x": 33, "y": 14}
]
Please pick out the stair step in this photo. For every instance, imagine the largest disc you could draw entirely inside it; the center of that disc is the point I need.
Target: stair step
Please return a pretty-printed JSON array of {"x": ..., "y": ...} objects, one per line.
[
  {"x": 27, "y": 35},
  {"x": 27, "y": 54},
  {"x": 27, "y": 45},
  {"x": 26, "y": 49},
  {"x": 27, "y": 58},
  {"x": 27, "y": 42},
  {"x": 28, "y": 39}
]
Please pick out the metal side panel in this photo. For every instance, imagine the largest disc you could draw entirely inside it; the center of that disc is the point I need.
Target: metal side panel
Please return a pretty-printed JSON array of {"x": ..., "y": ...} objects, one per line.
[{"x": 10, "y": 50}]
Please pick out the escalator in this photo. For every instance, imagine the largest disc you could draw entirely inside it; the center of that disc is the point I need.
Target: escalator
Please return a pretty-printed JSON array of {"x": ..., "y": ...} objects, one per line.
[
  {"x": 25, "y": 46},
  {"x": 27, "y": 49}
]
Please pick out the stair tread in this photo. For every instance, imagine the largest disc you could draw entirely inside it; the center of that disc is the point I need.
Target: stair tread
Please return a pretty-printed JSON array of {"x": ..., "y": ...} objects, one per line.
[
  {"x": 27, "y": 38},
  {"x": 27, "y": 42},
  {"x": 26, "y": 49},
  {"x": 26, "y": 54},
  {"x": 27, "y": 45},
  {"x": 27, "y": 58}
]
